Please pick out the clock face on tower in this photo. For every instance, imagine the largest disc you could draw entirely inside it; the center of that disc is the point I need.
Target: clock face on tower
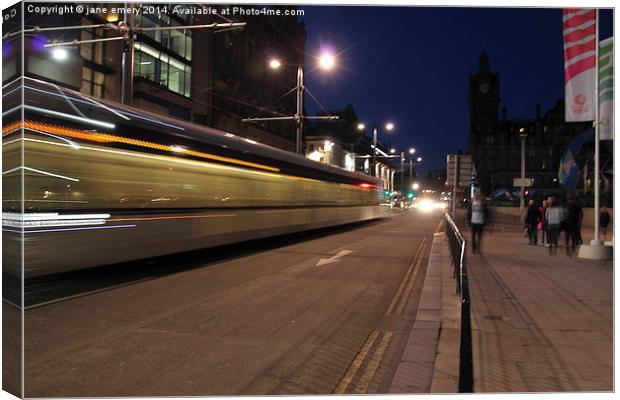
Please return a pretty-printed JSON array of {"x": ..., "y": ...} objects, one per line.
[{"x": 484, "y": 88}]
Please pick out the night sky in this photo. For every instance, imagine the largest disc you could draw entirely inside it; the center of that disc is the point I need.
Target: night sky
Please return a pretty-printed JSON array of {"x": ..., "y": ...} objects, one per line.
[{"x": 410, "y": 65}]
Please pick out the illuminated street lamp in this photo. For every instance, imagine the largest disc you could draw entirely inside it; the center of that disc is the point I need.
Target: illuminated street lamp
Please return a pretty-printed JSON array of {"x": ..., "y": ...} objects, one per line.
[
  {"x": 275, "y": 64},
  {"x": 411, "y": 150},
  {"x": 389, "y": 126},
  {"x": 415, "y": 186},
  {"x": 326, "y": 61},
  {"x": 419, "y": 159}
]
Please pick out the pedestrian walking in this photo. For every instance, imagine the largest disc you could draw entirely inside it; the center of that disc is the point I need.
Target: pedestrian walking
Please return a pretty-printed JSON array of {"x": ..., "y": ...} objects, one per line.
[
  {"x": 542, "y": 225},
  {"x": 573, "y": 220},
  {"x": 531, "y": 220},
  {"x": 603, "y": 221},
  {"x": 477, "y": 216},
  {"x": 554, "y": 216}
]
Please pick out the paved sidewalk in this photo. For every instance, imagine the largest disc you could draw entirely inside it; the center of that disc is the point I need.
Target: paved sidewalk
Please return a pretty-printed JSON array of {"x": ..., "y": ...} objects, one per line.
[
  {"x": 539, "y": 323},
  {"x": 430, "y": 361}
]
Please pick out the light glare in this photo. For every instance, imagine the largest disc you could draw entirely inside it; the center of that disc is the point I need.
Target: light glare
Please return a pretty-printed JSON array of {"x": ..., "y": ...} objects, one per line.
[
  {"x": 327, "y": 61},
  {"x": 59, "y": 53}
]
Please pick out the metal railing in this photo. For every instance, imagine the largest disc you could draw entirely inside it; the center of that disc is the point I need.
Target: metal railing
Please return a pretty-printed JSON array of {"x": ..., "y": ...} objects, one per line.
[{"x": 457, "y": 243}]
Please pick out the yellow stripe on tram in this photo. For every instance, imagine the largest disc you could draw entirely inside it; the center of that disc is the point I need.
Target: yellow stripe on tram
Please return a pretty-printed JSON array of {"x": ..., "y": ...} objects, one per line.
[{"x": 107, "y": 138}]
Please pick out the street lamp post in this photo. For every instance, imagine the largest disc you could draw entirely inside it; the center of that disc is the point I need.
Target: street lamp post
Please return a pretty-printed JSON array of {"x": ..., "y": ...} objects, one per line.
[
  {"x": 402, "y": 171},
  {"x": 327, "y": 62},
  {"x": 392, "y": 172},
  {"x": 411, "y": 153},
  {"x": 374, "y": 152},
  {"x": 300, "y": 107},
  {"x": 388, "y": 127},
  {"x": 410, "y": 172},
  {"x": 522, "y": 136},
  {"x": 127, "y": 61}
]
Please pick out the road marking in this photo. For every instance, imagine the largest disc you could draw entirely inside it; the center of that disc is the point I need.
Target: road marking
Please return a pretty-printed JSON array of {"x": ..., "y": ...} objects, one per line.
[
  {"x": 407, "y": 292},
  {"x": 403, "y": 283},
  {"x": 373, "y": 364},
  {"x": 334, "y": 258},
  {"x": 439, "y": 226},
  {"x": 356, "y": 364}
]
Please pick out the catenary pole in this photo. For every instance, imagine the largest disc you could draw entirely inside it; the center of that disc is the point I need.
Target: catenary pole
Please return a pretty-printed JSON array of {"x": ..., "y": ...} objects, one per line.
[{"x": 127, "y": 62}]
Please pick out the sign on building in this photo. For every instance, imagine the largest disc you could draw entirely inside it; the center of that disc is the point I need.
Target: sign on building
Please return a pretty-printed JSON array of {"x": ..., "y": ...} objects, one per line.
[
  {"x": 459, "y": 170},
  {"x": 523, "y": 182}
]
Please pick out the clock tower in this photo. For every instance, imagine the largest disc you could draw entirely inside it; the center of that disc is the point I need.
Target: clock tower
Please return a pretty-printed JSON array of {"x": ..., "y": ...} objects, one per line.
[{"x": 483, "y": 107}]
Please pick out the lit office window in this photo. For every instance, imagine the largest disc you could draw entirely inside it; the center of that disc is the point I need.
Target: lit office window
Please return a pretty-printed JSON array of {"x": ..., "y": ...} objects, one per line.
[
  {"x": 161, "y": 68},
  {"x": 177, "y": 41},
  {"x": 93, "y": 79}
]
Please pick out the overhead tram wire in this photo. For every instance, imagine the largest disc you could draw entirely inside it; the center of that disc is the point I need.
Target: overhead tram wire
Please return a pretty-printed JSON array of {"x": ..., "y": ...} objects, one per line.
[
  {"x": 318, "y": 102},
  {"x": 248, "y": 104},
  {"x": 266, "y": 108}
]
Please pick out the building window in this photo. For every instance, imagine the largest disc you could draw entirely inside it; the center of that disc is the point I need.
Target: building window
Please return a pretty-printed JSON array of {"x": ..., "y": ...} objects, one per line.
[
  {"x": 177, "y": 41},
  {"x": 93, "y": 52},
  {"x": 161, "y": 68},
  {"x": 92, "y": 82},
  {"x": 93, "y": 79}
]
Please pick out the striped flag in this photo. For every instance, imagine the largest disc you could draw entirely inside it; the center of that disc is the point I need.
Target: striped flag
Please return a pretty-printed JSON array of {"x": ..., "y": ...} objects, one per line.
[
  {"x": 579, "y": 25},
  {"x": 606, "y": 89}
]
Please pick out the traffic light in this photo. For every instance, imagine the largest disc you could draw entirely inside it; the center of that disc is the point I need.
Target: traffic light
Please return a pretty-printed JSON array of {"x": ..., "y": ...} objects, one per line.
[{"x": 410, "y": 195}]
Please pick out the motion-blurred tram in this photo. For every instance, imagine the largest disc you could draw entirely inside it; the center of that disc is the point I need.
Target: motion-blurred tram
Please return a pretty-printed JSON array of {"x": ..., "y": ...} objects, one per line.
[{"x": 104, "y": 183}]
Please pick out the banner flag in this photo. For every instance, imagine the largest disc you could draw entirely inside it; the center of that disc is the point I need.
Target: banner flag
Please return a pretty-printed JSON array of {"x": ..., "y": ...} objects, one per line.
[
  {"x": 606, "y": 89},
  {"x": 579, "y": 29}
]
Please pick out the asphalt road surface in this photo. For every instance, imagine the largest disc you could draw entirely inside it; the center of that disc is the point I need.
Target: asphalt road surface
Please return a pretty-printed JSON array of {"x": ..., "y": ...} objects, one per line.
[{"x": 326, "y": 313}]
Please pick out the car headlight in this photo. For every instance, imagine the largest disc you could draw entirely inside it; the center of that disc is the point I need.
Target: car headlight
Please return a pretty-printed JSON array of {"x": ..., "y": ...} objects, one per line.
[{"x": 425, "y": 205}]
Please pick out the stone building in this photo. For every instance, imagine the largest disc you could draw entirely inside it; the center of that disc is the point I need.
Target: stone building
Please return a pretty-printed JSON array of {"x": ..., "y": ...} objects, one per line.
[{"x": 494, "y": 139}]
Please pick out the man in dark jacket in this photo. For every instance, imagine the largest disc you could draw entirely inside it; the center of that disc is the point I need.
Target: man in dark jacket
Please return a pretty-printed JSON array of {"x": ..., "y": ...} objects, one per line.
[{"x": 531, "y": 220}]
